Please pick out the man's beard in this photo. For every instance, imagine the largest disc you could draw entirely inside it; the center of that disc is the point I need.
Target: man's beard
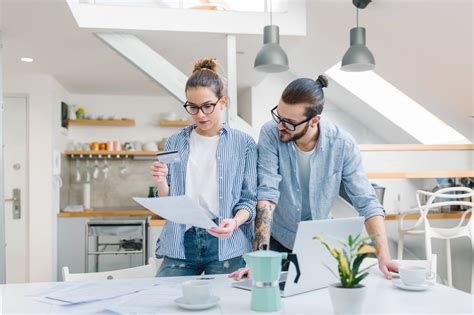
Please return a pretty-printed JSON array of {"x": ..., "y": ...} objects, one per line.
[{"x": 295, "y": 137}]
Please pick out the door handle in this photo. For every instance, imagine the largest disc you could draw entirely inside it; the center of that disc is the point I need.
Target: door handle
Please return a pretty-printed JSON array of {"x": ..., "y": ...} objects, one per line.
[{"x": 16, "y": 199}]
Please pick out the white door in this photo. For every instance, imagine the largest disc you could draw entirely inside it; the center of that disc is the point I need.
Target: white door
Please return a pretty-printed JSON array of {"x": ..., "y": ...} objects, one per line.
[{"x": 15, "y": 188}]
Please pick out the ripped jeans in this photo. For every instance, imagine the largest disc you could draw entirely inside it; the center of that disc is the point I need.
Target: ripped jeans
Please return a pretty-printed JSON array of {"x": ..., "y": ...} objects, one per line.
[{"x": 201, "y": 250}]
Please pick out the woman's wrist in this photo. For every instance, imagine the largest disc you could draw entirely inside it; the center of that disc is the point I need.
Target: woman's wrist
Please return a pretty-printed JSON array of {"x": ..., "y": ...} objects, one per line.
[{"x": 236, "y": 224}]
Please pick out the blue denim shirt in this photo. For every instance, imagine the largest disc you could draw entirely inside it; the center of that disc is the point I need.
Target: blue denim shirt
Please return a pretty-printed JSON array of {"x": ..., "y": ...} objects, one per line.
[
  {"x": 237, "y": 185},
  {"x": 336, "y": 158}
]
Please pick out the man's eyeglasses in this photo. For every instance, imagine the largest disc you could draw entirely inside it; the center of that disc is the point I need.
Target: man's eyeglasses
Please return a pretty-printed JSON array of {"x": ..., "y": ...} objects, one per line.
[
  {"x": 286, "y": 124},
  {"x": 206, "y": 108}
]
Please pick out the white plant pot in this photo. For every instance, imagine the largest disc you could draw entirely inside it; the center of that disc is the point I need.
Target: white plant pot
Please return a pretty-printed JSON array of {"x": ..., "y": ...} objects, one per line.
[{"x": 347, "y": 301}]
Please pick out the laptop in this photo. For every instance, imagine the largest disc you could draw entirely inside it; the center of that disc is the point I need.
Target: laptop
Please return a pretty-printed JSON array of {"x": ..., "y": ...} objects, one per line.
[{"x": 313, "y": 257}]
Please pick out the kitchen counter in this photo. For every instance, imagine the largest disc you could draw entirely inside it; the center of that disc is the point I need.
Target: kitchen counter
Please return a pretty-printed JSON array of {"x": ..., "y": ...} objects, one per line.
[
  {"x": 109, "y": 212},
  {"x": 157, "y": 221}
]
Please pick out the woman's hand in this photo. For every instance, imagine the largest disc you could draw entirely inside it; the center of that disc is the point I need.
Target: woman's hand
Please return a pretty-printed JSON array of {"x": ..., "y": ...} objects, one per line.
[
  {"x": 159, "y": 171},
  {"x": 225, "y": 229}
]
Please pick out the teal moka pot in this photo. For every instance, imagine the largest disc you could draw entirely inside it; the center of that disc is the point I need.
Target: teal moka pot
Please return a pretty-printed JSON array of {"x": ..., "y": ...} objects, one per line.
[{"x": 265, "y": 268}]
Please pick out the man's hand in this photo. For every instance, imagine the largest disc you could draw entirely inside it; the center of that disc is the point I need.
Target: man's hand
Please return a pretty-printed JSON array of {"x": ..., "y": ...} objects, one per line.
[
  {"x": 263, "y": 224},
  {"x": 376, "y": 226},
  {"x": 387, "y": 266},
  {"x": 240, "y": 274}
]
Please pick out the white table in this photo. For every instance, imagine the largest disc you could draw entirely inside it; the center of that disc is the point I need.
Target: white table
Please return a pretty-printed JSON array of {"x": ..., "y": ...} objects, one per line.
[{"x": 383, "y": 297}]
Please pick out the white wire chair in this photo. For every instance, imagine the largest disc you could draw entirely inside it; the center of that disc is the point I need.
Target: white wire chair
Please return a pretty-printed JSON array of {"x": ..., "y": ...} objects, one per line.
[{"x": 454, "y": 196}]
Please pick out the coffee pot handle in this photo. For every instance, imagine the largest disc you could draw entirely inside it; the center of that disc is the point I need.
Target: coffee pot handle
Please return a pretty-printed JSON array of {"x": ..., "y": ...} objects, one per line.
[{"x": 294, "y": 259}]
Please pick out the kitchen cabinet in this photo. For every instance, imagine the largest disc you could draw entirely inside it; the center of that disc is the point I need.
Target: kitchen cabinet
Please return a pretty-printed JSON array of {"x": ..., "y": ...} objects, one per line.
[{"x": 72, "y": 241}]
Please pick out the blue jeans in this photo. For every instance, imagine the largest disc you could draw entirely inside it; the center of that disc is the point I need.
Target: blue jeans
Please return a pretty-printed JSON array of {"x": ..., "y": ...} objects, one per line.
[{"x": 201, "y": 250}]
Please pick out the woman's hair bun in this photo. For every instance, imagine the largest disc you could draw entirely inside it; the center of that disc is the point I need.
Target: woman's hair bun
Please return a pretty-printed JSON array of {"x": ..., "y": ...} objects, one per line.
[
  {"x": 206, "y": 63},
  {"x": 322, "y": 81}
]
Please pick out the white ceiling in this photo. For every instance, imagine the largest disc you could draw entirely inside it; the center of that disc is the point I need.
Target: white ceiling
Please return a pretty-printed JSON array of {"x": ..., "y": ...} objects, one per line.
[{"x": 423, "y": 47}]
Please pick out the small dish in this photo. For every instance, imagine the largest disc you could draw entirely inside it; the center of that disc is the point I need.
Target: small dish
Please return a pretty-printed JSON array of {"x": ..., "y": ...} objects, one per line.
[
  {"x": 425, "y": 286},
  {"x": 213, "y": 300}
]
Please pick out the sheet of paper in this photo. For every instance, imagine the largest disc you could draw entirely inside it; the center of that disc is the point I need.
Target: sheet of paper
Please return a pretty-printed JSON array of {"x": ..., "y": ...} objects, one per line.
[
  {"x": 93, "y": 291},
  {"x": 179, "y": 209},
  {"x": 160, "y": 299}
]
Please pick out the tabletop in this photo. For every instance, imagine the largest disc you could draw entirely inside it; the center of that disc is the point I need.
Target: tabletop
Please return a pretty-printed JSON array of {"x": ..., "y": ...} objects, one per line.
[{"x": 382, "y": 298}]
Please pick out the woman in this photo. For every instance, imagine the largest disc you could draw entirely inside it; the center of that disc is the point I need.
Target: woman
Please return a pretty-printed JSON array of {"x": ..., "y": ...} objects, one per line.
[{"x": 218, "y": 171}]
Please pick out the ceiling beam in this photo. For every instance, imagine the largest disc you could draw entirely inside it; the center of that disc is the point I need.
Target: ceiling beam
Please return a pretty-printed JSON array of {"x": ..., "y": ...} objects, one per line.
[{"x": 148, "y": 61}]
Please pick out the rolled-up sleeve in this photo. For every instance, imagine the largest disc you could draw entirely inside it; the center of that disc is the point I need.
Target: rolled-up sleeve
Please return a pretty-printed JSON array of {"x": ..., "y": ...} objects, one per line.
[
  {"x": 267, "y": 166},
  {"x": 248, "y": 196},
  {"x": 356, "y": 183}
]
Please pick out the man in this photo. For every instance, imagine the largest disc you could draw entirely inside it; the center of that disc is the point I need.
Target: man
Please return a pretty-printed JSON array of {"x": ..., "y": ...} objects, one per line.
[{"x": 302, "y": 161}]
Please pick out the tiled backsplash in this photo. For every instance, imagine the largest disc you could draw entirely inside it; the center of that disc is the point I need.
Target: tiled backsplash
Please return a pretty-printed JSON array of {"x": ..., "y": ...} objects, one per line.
[{"x": 115, "y": 191}]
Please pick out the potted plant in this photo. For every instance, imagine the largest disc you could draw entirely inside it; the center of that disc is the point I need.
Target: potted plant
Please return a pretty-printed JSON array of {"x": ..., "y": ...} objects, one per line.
[{"x": 348, "y": 295}]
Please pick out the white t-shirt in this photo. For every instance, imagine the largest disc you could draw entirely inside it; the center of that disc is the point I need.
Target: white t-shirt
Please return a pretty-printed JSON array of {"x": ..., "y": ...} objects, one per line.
[
  {"x": 201, "y": 173},
  {"x": 303, "y": 169}
]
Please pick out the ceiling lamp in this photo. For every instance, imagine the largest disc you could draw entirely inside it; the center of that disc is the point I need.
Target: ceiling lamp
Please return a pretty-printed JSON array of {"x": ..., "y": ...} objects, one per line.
[
  {"x": 271, "y": 58},
  {"x": 358, "y": 57}
]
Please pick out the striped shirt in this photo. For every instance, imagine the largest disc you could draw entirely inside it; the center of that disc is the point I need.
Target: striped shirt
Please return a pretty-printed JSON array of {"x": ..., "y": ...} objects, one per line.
[{"x": 237, "y": 188}]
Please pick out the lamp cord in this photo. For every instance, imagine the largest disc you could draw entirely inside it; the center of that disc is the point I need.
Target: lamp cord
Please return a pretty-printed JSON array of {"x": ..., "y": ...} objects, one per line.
[
  {"x": 357, "y": 16},
  {"x": 271, "y": 22}
]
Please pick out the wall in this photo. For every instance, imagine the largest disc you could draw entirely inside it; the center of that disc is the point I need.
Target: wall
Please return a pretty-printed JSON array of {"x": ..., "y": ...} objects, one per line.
[
  {"x": 2, "y": 209},
  {"x": 146, "y": 110},
  {"x": 118, "y": 189},
  {"x": 115, "y": 191}
]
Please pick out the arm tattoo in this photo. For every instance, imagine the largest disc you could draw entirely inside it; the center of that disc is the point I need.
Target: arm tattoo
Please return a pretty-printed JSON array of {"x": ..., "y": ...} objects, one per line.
[{"x": 263, "y": 225}]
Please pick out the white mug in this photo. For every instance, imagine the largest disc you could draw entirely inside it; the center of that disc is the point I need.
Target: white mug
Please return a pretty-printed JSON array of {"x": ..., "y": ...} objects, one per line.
[
  {"x": 415, "y": 276},
  {"x": 196, "y": 291}
]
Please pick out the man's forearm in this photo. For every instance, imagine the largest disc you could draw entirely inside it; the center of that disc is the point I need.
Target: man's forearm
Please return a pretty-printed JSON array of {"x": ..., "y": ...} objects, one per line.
[
  {"x": 263, "y": 224},
  {"x": 376, "y": 225}
]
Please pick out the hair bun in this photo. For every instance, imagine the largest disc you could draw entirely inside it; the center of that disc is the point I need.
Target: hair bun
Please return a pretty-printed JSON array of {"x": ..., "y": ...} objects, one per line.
[
  {"x": 206, "y": 63},
  {"x": 322, "y": 80}
]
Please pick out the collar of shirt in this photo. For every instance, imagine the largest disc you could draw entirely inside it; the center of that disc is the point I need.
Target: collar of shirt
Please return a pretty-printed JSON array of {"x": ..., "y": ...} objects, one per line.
[{"x": 223, "y": 131}]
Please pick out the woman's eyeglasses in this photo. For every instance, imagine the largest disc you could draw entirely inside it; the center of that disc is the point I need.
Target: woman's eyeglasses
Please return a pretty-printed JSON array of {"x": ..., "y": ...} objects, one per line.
[
  {"x": 285, "y": 123},
  {"x": 206, "y": 108}
]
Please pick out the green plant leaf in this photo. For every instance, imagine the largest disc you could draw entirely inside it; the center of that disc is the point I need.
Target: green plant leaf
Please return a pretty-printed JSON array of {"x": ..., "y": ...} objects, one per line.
[
  {"x": 359, "y": 278},
  {"x": 365, "y": 269},
  {"x": 349, "y": 240},
  {"x": 356, "y": 238},
  {"x": 372, "y": 236},
  {"x": 332, "y": 271},
  {"x": 356, "y": 264}
]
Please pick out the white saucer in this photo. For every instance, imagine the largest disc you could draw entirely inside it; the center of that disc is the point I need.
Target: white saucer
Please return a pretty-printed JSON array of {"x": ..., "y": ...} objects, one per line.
[
  {"x": 399, "y": 284},
  {"x": 213, "y": 300}
]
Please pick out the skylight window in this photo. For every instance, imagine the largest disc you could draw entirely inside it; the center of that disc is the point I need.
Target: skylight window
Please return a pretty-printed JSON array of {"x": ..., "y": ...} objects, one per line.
[
  {"x": 225, "y": 5},
  {"x": 397, "y": 107}
]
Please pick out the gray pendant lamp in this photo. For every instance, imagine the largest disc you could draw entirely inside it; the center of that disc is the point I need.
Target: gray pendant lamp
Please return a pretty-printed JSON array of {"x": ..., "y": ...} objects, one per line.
[
  {"x": 358, "y": 57},
  {"x": 271, "y": 58}
]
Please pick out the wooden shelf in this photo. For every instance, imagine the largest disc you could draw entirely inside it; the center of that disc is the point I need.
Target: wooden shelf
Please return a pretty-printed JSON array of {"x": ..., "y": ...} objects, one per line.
[
  {"x": 434, "y": 174},
  {"x": 112, "y": 153},
  {"x": 175, "y": 123},
  {"x": 415, "y": 147},
  {"x": 101, "y": 122},
  {"x": 435, "y": 216}
]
